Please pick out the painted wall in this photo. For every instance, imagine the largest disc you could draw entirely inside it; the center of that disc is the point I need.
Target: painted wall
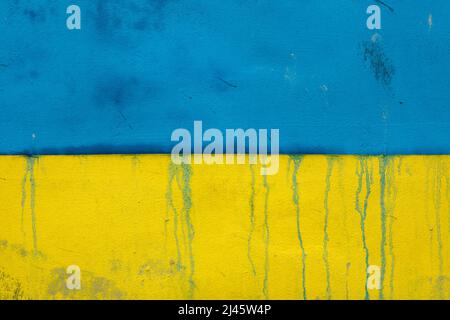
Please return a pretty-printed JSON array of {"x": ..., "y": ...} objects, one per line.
[
  {"x": 139, "y": 69},
  {"x": 140, "y": 227}
]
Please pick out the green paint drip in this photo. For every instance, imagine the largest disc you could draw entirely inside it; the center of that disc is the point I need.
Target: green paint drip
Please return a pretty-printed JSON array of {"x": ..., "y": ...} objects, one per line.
[
  {"x": 427, "y": 210},
  {"x": 187, "y": 205},
  {"x": 297, "y": 161},
  {"x": 252, "y": 220},
  {"x": 383, "y": 161},
  {"x": 178, "y": 178},
  {"x": 24, "y": 195},
  {"x": 447, "y": 182},
  {"x": 387, "y": 200},
  {"x": 399, "y": 166},
  {"x": 347, "y": 271},
  {"x": 135, "y": 161},
  {"x": 266, "y": 239},
  {"x": 173, "y": 171},
  {"x": 392, "y": 187},
  {"x": 364, "y": 171},
  {"x": 437, "y": 209},
  {"x": 341, "y": 188},
  {"x": 30, "y": 172},
  {"x": 325, "y": 227}
]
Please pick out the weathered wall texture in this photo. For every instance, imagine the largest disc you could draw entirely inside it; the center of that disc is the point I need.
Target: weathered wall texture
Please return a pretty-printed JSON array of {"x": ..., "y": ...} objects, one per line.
[
  {"x": 139, "y": 69},
  {"x": 141, "y": 227}
]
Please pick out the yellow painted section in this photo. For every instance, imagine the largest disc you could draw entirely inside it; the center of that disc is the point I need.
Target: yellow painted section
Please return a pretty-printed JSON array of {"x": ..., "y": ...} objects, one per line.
[{"x": 141, "y": 227}]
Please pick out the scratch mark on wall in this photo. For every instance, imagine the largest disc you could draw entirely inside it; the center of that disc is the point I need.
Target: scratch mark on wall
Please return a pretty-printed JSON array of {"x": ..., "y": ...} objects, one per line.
[
  {"x": 229, "y": 84},
  {"x": 386, "y": 5}
]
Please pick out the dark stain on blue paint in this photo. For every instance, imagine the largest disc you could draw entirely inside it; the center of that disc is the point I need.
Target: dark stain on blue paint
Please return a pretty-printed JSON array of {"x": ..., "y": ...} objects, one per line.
[
  {"x": 120, "y": 92},
  {"x": 379, "y": 63},
  {"x": 116, "y": 92},
  {"x": 137, "y": 15},
  {"x": 107, "y": 19},
  {"x": 35, "y": 16}
]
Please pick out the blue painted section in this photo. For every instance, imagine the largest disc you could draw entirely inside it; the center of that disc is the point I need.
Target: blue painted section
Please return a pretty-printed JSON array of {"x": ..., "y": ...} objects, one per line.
[{"x": 140, "y": 69}]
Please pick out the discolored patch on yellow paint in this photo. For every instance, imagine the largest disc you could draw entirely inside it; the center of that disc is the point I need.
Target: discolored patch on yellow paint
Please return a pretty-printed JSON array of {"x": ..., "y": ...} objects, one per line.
[{"x": 142, "y": 227}]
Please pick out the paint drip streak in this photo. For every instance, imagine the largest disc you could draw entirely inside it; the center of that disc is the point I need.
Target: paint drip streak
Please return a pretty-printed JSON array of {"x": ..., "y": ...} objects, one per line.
[
  {"x": 24, "y": 197},
  {"x": 30, "y": 173},
  {"x": 364, "y": 172},
  {"x": 325, "y": 228},
  {"x": 297, "y": 161},
  {"x": 187, "y": 205},
  {"x": 447, "y": 182},
  {"x": 266, "y": 240},
  {"x": 392, "y": 187},
  {"x": 252, "y": 220},
  {"x": 173, "y": 171},
  {"x": 437, "y": 209},
  {"x": 342, "y": 193},
  {"x": 382, "y": 169}
]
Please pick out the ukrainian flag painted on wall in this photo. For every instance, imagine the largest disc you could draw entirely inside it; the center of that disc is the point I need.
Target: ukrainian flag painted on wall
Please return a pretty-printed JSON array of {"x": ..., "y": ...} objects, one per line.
[{"x": 359, "y": 208}]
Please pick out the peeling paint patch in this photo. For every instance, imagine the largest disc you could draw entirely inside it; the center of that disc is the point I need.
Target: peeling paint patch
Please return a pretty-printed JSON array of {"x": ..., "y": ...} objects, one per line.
[
  {"x": 93, "y": 287},
  {"x": 10, "y": 287}
]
